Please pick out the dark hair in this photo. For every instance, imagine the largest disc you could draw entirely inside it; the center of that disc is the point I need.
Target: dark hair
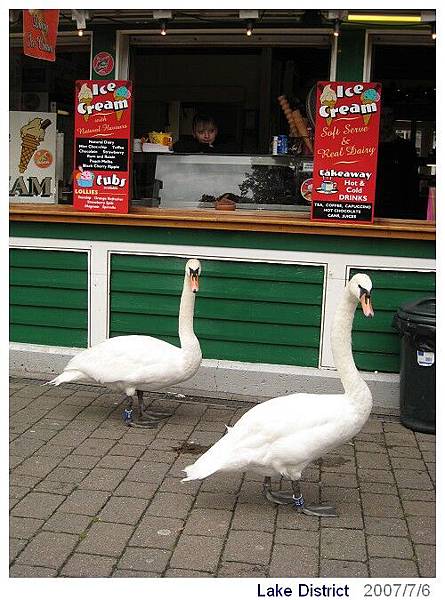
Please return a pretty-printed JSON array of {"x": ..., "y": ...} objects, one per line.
[{"x": 203, "y": 119}]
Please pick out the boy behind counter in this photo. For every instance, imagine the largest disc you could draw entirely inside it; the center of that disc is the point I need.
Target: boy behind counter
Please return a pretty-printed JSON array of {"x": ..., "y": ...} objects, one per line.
[{"x": 205, "y": 131}]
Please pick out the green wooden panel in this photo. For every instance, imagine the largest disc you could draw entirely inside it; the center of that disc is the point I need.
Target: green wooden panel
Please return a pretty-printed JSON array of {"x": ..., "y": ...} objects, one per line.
[
  {"x": 48, "y": 316},
  {"x": 240, "y": 308},
  {"x": 376, "y": 344},
  {"x": 217, "y": 308},
  {"x": 350, "y": 54},
  {"x": 50, "y": 336},
  {"x": 49, "y": 297},
  {"x": 48, "y": 259},
  {"x": 34, "y": 296}
]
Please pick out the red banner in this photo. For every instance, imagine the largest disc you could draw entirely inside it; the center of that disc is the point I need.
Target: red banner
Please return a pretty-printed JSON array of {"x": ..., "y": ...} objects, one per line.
[
  {"x": 345, "y": 151},
  {"x": 40, "y": 33},
  {"x": 102, "y": 146}
]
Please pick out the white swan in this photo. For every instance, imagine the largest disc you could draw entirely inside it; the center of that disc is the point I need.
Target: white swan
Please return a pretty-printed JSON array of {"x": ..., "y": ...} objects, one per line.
[
  {"x": 283, "y": 435},
  {"x": 125, "y": 363}
]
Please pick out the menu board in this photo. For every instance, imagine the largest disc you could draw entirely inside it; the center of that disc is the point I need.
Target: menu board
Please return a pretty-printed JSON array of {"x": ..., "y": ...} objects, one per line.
[
  {"x": 101, "y": 146},
  {"x": 345, "y": 151}
]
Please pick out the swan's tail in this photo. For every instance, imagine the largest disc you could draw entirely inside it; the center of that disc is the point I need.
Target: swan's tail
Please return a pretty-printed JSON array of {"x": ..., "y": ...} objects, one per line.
[
  {"x": 65, "y": 377},
  {"x": 217, "y": 458}
]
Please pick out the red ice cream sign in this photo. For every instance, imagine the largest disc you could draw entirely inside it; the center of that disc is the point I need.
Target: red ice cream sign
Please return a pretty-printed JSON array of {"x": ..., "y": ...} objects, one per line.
[
  {"x": 101, "y": 146},
  {"x": 345, "y": 151}
]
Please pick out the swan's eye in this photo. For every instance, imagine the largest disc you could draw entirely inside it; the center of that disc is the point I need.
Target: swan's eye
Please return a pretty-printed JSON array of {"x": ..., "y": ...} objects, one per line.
[{"x": 362, "y": 291}]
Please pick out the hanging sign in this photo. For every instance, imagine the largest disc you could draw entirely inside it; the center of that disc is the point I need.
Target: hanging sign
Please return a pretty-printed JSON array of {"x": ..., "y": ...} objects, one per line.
[
  {"x": 40, "y": 33},
  {"x": 345, "y": 151},
  {"x": 32, "y": 157},
  {"x": 103, "y": 63},
  {"x": 101, "y": 146}
]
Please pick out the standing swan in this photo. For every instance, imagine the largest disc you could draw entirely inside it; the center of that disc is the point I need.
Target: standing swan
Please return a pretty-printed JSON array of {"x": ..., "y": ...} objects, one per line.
[
  {"x": 283, "y": 435},
  {"x": 124, "y": 363}
]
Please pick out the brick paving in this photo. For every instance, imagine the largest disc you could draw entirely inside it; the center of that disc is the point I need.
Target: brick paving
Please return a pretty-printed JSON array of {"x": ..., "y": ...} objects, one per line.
[{"x": 90, "y": 497}]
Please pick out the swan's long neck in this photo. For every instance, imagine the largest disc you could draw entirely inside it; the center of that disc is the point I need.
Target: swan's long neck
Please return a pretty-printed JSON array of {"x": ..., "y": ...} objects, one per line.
[
  {"x": 341, "y": 343},
  {"x": 189, "y": 341}
]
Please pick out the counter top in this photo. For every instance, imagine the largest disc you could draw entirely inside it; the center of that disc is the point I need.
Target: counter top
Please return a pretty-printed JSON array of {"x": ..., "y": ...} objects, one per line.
[{"x": 245, "y": 220}]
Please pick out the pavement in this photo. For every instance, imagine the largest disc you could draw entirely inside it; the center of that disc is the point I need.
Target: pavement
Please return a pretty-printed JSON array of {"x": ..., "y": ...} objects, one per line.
[{"x": 91, "y": 497}]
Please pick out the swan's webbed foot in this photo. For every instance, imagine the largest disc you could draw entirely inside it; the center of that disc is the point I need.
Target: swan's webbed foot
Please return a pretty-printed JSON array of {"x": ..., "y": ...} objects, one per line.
[
  {"x": 312, "y": 510},
  {"x": 153, "y": 415},
  {"x": 277, "y": 497},
  {"x": 139, "y": 417}
]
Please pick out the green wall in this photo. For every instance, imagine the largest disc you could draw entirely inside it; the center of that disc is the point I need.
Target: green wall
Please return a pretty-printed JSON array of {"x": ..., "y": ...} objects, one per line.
[
  {"x": 252, "y": 312},
  {"x": 351, "y": 54},
  {"x": 375, "y": 343},
  {"x": 49, "y": 297}
]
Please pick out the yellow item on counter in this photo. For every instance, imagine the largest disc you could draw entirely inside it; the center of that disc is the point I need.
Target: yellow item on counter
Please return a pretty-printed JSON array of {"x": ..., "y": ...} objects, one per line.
[{"x": 159, "y": 137}]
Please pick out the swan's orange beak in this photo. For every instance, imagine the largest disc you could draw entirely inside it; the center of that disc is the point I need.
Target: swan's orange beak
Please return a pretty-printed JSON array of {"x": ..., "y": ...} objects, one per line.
[
  {"x": 365, "y": 301},
  {"x": 194, "y": 282}
]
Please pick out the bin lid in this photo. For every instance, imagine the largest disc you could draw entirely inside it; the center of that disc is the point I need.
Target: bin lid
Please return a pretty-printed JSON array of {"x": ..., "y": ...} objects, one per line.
[{"x": 421, "y": 311}]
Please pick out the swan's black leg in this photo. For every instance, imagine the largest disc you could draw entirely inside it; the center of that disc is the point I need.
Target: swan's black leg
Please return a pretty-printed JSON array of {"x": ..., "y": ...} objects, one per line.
[
  {"x": 144, "y": 418},
  {"x": 313, "y": 510},
  {"x": 276, "y": 497}
]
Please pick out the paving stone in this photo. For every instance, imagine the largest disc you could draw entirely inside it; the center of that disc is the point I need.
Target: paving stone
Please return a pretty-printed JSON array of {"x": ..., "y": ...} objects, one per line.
[
  {"x": 428, "y": 456},
  {"x": 248, "y": 547},
  {"x": 175, "y": 485},
  {"x": 250, "y": 492},
  {"x": 349, "y": 516},
  {"x": 37, "y": 466},
  {"x": 163, "y": 456},
  {"x": 103, "y": 479},
  {"x": 85, "y": 565},
  {"x": 63, "y": 488},
  {"x": 392, "y": 547},
  {"x": 176, "y": 432},
  {"x": 133, "y": 489},
  {"x": 216, "y": 426},
  {"x": 406, "y": 438},
  {"x": 218, "y": 414},
  {"x": 37, "y": 505},
  {"x": 370, "y": 447},
  {"x": 23, "y": 527},
  {"x": 68, "y": 475},
  {"x": 418, "y": 480},
  {"x": 236, "y": 569},
  {"x": 123, "y": 510},
  {"x": 67, "y": 523},
  {"x": 132, "y": 437},
  {"x": 399, "y": 462},
  {"x": 417, "y": 495},
  {"x": 170, "y": 505},
  {"x": 254, "y": 517},
  {"x": 300, "y": 537},
  {"x": 375, "y": 476},
  {"x": 208, "y": 522},
  {"x": 127, "y": 573},
  {"x": 227, "y": 483},
  {"x": 144, "y": 559},
  {"x": 214, "y": 500},
  {"x": 290, "y": 561},
  {"x": 426, "y": 560},
  {"x": 23, "y": 480},
  {"x": 18, "y": 570},
  {"x": 25, "y": 446},
  {"x": 121, "y": 449},
  {"x": 289, "y": 518},
  {"x": 392, "y": 567},
  {"x": 76, "y": 461},
  {"x": 348, "y": 480},
  {"x": 108, "y": 539},
  {"x": 379, "y": 488},
  {"x": 84, "y": 502},
  {"x": 381, "y": 505},
  {"x": 48, "y": 549},
  {"x": 372, "y": 460},
  {"x": 385, "y": 526},
  {"x": 342, "y": 568},
  {"x": 148, "y": 472},
  {"x": 185, "y": 573},
  {"x": 204, "y": 438},
  {"x": 197, "y": 553},
  {"x": 157, "y": 532},
  {"x": 15, "y": 547},
  {"x": 342, "y": 544},
  {"x": 54, "y": 451},
  {"x": 404, "y": 452},
  {"x": 94, "y": 447},
  {"x": 412, "y": 507},
  {"x": 422, "y": 529},
  {"x": 69, "y": 438}
]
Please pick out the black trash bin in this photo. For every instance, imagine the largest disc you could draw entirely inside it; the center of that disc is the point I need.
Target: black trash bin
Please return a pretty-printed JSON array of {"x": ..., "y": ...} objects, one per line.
[{"x": 416, "y": 322}]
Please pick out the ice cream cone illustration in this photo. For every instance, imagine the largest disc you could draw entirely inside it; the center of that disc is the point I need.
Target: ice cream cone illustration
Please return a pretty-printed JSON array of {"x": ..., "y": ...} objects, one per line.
[
  {"x": 328, "y": 98},
  {"x": 369, "y": 97},
  {"x": 122, "y": 93},
  {"x": 85, "y": 97},
  {"x": 32, "y": 134}
]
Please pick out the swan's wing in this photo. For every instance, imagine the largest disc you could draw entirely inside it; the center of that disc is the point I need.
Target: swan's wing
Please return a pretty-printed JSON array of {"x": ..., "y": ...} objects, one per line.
[{"x": 132, "y": 358}]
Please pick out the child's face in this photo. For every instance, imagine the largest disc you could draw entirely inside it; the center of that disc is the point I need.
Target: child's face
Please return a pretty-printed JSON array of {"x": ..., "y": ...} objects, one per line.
[{"x": 205, "y": 133}]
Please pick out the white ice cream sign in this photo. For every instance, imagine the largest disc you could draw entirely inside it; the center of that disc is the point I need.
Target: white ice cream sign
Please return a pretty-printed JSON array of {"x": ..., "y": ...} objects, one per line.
[{"x": 32, "y": 157}]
